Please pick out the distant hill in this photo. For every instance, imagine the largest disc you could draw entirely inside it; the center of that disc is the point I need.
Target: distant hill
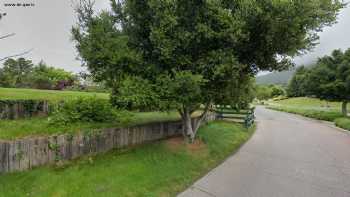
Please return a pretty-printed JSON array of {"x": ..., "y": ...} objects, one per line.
[{"x": 281, "y": 78}]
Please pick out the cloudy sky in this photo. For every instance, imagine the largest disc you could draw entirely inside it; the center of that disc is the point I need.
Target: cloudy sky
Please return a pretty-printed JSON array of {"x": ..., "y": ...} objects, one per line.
[
  {"x": 45, "y": 27},
  {"x": 334, "y": 37}
]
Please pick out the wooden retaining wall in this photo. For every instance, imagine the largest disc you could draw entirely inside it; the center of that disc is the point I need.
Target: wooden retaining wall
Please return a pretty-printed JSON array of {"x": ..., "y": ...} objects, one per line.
[
  {"x": 15, "y": 109},
  {"x": 23, "y": 154}
]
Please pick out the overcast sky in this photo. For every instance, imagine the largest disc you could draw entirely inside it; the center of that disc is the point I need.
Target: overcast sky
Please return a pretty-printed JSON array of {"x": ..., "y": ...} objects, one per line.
[{"x": 45, "y": 27}]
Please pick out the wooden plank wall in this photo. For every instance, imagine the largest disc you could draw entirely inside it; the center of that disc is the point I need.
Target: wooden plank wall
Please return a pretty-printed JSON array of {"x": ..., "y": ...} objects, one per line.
[
  {"x": 16, "y": 109},
  {"x": 24, "y": 154}
]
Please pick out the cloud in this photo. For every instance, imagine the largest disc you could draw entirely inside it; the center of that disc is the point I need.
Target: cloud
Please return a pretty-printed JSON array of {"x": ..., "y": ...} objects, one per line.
[
  {"x": 46, "y": 28},
  {"x": 334, "y": 37}
]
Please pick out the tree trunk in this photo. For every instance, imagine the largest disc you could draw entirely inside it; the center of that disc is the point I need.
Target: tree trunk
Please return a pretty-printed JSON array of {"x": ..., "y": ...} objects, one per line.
[
  {"x": 189, "y": 130},
  {"x": 344, "y": 108},
  {"x": 187, "y": 125}
]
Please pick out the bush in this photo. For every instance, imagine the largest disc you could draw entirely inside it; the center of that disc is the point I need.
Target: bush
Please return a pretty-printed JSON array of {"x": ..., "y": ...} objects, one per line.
[
  {"x": 264, "y": 92},
  {"x": 277, "y": 91},
  {"x": 84, "y": 110}
]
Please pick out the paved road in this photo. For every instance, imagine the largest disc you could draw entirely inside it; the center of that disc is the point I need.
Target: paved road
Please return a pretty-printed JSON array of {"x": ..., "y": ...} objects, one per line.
[{"x": 287, "y": 156}]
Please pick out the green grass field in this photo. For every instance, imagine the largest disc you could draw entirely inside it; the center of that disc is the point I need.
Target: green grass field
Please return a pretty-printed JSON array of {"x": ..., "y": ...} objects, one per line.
[
  {"x": 313, "y": 108},
  {"x": 309, "y": 103},
  {"x": 163, "y": 168},
  {"x": 51, "y": 95},
  {"x": 12, "y": 129}
]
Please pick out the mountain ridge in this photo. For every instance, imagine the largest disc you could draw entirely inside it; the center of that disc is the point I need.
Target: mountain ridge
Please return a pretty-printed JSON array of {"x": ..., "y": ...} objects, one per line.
[{"x": 280, "y": 78}]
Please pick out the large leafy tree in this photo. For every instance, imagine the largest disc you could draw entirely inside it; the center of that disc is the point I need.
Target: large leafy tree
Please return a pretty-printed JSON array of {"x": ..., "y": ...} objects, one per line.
[
  {"x": 191, "y": 51},
  {"x": 16, "y": 72},
  {"x": 298, "y": 85},
  {"x": 329, "y": 79}
]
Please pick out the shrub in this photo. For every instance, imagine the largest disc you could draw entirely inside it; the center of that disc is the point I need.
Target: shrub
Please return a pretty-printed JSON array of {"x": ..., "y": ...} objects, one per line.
[
  {"x": 277, "y": 91},
  {"x": 84, "y": 110}
]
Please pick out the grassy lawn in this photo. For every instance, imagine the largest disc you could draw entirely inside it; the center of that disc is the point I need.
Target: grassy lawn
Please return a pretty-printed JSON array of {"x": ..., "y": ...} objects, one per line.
[
  {"x": 11, "y": 129},
  {"x": 164, "y": 168},
  {"x": 51, "y": 95},
  {"x": 309, "y": 103},
  {"x": 313, "y": 108}
]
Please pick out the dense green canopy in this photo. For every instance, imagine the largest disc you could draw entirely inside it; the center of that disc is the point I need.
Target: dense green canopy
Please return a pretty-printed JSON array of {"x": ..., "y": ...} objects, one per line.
[
  {"x": 298, "y": 85},
  {"x": 329, "y": 79},
  {"x": 191, "y": 52},
  {"x": 22, "y": 73}
]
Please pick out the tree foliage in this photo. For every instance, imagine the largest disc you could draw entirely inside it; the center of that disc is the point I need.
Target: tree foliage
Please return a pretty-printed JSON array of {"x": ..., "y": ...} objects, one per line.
[
  {"x": 46, "y": 77},
  {"x": 84, "y": 110},
  {"x": 277, "y": 91},
  {"x": 298, "y": 85},
  {"x": 15, "y": 73},
  {"x": 329, "y": 79},
  {"x": 194, "y": 51},
  {"x": 135, "y": 93},
  {"x": 22, "y": 73},
  {"x": 265, "y": 92}
]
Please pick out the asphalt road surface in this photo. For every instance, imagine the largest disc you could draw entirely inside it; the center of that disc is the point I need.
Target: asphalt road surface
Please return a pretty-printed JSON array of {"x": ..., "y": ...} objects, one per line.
[{"x": 287, "y": 156}]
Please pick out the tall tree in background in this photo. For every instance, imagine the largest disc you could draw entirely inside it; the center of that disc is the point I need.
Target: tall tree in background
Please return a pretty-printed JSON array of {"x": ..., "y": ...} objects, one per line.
[
  {"x": 191, "y": 51},
  {"x": 22, "y": 73},
  {"x": 15, "y": 73},
  {"x": 330, "y": 78},
  {"x": 47, "y": 77},
  {"x": 298, "y": 85}
]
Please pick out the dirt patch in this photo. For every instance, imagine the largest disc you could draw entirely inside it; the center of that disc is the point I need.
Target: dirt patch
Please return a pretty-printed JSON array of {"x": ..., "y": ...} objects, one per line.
[
  {"x": 197, "y": 145},
  {"x": 177, "y": 143}
]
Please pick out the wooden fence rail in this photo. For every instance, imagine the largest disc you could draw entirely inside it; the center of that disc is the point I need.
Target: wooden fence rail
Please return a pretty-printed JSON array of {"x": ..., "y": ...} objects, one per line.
[{"x": 246, "y": 117}]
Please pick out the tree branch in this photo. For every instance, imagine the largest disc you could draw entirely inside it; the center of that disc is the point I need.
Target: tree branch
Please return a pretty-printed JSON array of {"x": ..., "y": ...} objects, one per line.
[
  {"x": 20, "y": 54},
  {"x": 202, "y": 117},
  {"x": 6, "y": 36},
  {"x": 181, "y": 113}
]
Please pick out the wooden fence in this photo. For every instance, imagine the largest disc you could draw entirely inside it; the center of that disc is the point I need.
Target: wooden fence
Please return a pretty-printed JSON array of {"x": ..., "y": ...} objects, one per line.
[
  {"x": 23, "y": 154},
  {"x": 15, "y": 109},
  {"x": 246, "y": 117}
]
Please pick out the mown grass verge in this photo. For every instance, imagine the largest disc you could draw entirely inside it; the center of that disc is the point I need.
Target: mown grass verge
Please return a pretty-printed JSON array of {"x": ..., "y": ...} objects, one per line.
[
  {"x": 319, "y": 115},
  {"x": 343, "y": 123},
  {"x": 313, "y": 108},
  {"x": 49, "y": 95},
  {"x": 12, "y": 129},
  {"x": 164, "y": 168}
]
